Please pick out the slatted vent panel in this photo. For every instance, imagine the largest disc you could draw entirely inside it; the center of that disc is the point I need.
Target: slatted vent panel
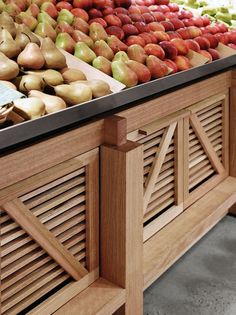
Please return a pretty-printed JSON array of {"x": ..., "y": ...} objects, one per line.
[
  {"x": 163, "y": 194},
  {"x": 200, "y": 167},
  {"x": 28, "y": 272}
]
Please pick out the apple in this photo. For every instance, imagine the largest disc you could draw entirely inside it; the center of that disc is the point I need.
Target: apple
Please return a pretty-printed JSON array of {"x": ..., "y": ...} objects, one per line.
[
  {"x": 171, "y": 15},
  {"x": 155, "y": 50},
  {"x": 223, "y": 38},
  {"x": 149, "y": 38},
  {"x": 171, "y": 65},
  {"x": 142, "y": 27},
  {"x": 64, "y": 5},
  {"x": 214, "y": 41},
  {"x": 181, "y": 46},
  {"x": 130, "y": 29},
  {"x": 173, "y": 7},
  {"x": 194, "y": 31},
  {"x": 125, "y": 19},
  {"x": 102, "y": 4},
  {"x": 206, "y": 21},
  {"x": 161, "y": 2},
  {"x": 123, "y": 3},
  {"x": 168, "y": 26},
  {"x": 164, "y": 8},
  {"x": 182, "y": 63},
  {"x": 83, "y": 4},
  {"x": 134, "y": 9},
  {"x": 170, "y": 50},
  {"x": 206, "y": 54},
  {"x": 120, "y": 10},
  {"x": 80, "y": 13},
  {"x": 94, "y": 13},
  {"x": 232, "y": 37},
  {"x": 198, "y": 21},
  {"x": 213, "y": 29},
  {"x": 136, "y": 17},
  {"x": 134, "y": 39},
  {"x": 107, "y": 11},
  {"x": 184, "y": 33},
  {"x": 177, "y": 23},
  {"x": 173, "y": 35},
  {"x": 148, "y": 18},
  {"x": 204, "y": 30},
  {"x": 149, "y": 2},
  {"x": 100, "y": 21},
  {"x": 214, "y": 54},
  {"x": 193, "y": 45},
  {"x": 222, "y": 27},
  {"x": 161, "y": 36},
  {"x": 188, "y": 22},
  {"x": 155, "y": 26},
  {"x": 115, "y": 30},
  {"x": 159, "y": 16},
  {"x": 157, "y": 67},
  {"x": 203, "y": 42},
  {"x": 112, "y": 20}
]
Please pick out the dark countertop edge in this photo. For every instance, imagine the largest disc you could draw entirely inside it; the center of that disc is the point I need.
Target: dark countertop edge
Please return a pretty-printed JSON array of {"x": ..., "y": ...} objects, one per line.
[{"x": 15, "y": 135}]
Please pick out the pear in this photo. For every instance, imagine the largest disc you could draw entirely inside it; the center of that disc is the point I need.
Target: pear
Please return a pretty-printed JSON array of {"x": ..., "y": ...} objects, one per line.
[
  {"x": 2, "y": 5},
  {"x": 83, "y": 52},
  {"x": 70, "y": 75},
  {"x": 31, "y": 57},
  {"x": 66, "y": 42},
  {"x": 26, "y": 19},
  {"x": 122, "y": 73},
  {"x": 102, "y": 64},
  {"x": 29, "y": 108},
  {"x": 121, "y": 55},
  {"x": 54, "y": 59},
  {"x": 12, "y": 9},
  {"x": 102, "y": 49},
  {"x": 115, "y": 44},
  {"x": 29, "y": 82},
  {"x": 66, "y": 16},
  {"x": 99, "y": 87},
  {"x": 74, "y": 94},
  {"x": 8, "y": 68},
  {"x": 97, "y": 32},
  {"x": 7, "y": 22},
  {"x": 33, "y": 10},
  {"x": 79, "y": 36},
  {"x": 52, "y": 103},
  {"x": 7, "y": 44},
  {"x": 50, "y": 76},
  {"x": 44, "y": 17},
  {"x": 8, "y": 84},
  {"x": 25, "y": 31},
  {"x": 44, "y": 29}
]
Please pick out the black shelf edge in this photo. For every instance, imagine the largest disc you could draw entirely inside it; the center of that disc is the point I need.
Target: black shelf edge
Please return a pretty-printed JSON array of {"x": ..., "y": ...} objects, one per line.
[{"x": 30, "y": 130}]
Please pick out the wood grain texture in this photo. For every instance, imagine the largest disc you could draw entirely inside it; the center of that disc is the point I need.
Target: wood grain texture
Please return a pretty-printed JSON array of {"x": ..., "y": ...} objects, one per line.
[
  {"x": 232, "y": 124},
  {"x": 23, "y": 216},
  {"x": 164, "y": 248},
  {"x": 115, "y": 130},
  {"x": 101, "y": 298},
  {"x": 121, "y": 221}
]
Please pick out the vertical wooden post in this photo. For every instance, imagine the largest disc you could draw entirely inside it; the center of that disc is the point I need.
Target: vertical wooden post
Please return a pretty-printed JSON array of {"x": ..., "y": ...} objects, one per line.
[
  {"x": 232, "y": 133},
  {"x": 122, "y": 215}
]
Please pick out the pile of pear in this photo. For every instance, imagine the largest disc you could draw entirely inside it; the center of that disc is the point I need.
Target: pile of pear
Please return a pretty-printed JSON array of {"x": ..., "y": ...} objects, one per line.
[{"x": 39, "y": 70}]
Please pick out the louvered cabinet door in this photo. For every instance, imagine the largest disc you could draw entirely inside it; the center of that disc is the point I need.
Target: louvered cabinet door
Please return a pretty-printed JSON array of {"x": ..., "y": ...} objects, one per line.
[
  {"x": 206, "y": 143},
  {"x": 49, "y": 233},
  {"x": 162, "y": 171}
]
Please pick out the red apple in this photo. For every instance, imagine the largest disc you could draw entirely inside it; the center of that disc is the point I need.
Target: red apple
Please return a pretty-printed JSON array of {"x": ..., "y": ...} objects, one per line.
[
  {"x": 198, "y": 21},
  {"x": 136, "y": 17},
  {"x": 206, "y": 20},
  {"x": 223, "y": 38},
  {"x": 123, "y": 3},
  {"x": 115, "y": 30},
  {"x": 214, "y": 41},
  {"x": 130, "y": 29},
  {"x": 148, "y": 18},
  {"x": 155, "y": 50},
  {"x": 214, "y": 54},
  {"x": 161, "y": 2},
  {"x": 171, "y": 15},
  {"x": 173, "y": 35},
  {"x": 182, "y": 63},
  {"x": 142, "y": 27},
  {"x": 173, "y": 7},
  {"x": 83, "y": 4},
  {"x": 149, "y": 38},
  {"x": 193, "y": 45},
  {"x": 80, "y": 13},
  {"x": 64, "y": 5},
  {"x": 168, "y": 26},
  {"x": 177, "y": 23},
  {"x": 170, "y": 50},
  {"x": 94, "y": 13},
  {"x": 232, "y": 37},
  {"x": 206, "y": 54},
  {"x": 181, "y": 46},
  {"x": 161, "y": 36},
  {"x": 134, "y": 9},
  {"x": 107, "y": 11},
  {"x": 112, "y": 20},
  {"x": 120, "y": 10},
  {"x": 194, "y": 31},
  {"x": 213, "y": 29},
  {"x": 125, "y": 19},
  {"x": 102, "y": 4},
  {"x": 171, "y": 65},
  {"x": 184, "y": 33},
  {"x": 159, "y": 16},
  {"x": 222, "y": 27},
  {"x": 155, "y": 26},
  {"x": 164, "y": 8},
  {"x": 144, "y": 9},
  {"x": 133, "y": 39}
]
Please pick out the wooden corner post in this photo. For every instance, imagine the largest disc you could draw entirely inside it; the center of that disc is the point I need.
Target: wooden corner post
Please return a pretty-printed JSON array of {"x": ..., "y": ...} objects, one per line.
[
  {"x": 122, "y": 214},
  {"x": 232, "y": 130}
]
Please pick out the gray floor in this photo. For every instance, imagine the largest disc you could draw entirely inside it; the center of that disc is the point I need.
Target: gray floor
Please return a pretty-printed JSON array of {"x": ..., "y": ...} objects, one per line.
[{"x": 203, "y": 281}]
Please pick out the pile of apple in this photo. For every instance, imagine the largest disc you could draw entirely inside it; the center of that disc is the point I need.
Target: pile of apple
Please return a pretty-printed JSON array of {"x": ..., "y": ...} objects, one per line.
[{"x": 132, "y": 40}]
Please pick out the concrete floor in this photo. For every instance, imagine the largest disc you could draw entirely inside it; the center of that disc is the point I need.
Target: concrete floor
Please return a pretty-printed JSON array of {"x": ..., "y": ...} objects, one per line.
[{"x": 203, "y": 281}]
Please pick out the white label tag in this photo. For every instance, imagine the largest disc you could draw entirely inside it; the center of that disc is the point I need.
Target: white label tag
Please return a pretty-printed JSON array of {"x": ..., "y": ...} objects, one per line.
[{"x": 8, "y": 95}]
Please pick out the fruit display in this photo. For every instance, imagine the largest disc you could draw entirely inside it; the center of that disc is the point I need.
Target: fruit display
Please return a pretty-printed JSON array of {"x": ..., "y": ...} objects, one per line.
[
  {"x": 223, "y": 11},
  {"x": 121, "y": 38},
  {"x": 38, "y": 69}
]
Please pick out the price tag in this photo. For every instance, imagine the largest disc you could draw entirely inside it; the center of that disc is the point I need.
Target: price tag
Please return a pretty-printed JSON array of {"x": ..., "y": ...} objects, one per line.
[{"x": 8, "y": 95}]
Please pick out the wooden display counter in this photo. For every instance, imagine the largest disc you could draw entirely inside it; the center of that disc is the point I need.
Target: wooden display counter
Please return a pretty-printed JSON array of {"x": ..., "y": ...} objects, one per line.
[{"x": 92, "y": 216}]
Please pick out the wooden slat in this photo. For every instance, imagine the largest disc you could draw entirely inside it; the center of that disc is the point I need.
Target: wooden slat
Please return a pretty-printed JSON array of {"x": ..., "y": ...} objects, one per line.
[
  {"x": 232, "y": 124},
  {"x": 216, "y": 109},
  {"x": 164, "y": 248},
  {"x": 209, "y": 150},
  {"x": 17, "y": 210},
  {"x": 157, "y": 164},
  {"x": 225, "y": 134},
  {"x": 159, "y": 207},
  {"x": 208, "y": 102}
]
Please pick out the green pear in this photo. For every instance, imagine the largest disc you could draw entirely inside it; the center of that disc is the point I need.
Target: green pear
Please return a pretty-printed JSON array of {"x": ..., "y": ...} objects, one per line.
[
  {"x": 99, "y": 87},
  {"x": 66, "y": 42},
  {"x": 102, "y": 64},
  {"x": 52, "y": 103},
  {"x": 7, "y": 22},
  {"x": 29, "y": 108},
  {"x": 66, "y": 16},
  {"x": 26, "y": 32},
  {"x": 70, "y": 75},
  {"x": 29, "y": 82},
  {"x": 12, "y": 9},
  {"x": 44, "y": 29},
  {"x": 83, "y": 52},
  {"x": 102, "y": 49},
  {"x": 7, "y": 44},
  {"x": 97, "y": 32},
  {"x": 122, "y": 73},
  {"x": 44, "y": 17},
  {"x": 79, "y": 36},
  {"x": 54, "y": 58},
  {"x": 74, "y": 94},
  {"x": 9, "y": 69},
  {"x": 121, "y": 55},
  {"x": 2, "y": 5},
  {"x": 27, "y": 19},
  {"x": 50, "y": 77}
]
